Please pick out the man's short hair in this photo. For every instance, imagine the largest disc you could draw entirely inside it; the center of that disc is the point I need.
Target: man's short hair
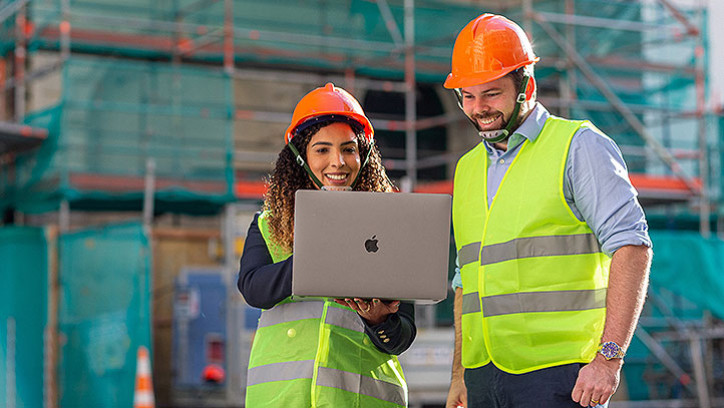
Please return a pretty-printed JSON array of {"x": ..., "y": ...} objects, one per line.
[{"x": 517, "y": 77}]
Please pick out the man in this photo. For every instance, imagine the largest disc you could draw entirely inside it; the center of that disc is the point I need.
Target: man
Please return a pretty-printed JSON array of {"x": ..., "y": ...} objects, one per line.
[{"x": 552, "y": 243}]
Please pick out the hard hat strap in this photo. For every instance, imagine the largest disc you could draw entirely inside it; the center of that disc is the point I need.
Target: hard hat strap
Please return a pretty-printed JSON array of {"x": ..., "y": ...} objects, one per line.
[
  {"x": 301, "y": 162},
  {"x": 459, "y": 97},
  {"x": 495, "y": 136},
  {"x": 519, "y": 101},
  {"x": 367, "y": 159}
]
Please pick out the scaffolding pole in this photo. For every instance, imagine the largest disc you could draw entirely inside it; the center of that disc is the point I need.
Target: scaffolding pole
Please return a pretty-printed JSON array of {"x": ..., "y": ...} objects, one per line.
[
  {"x": 410, "y": 97},
  {"x": 20, "y": 60},
  {"x": 618, "y": 104},
  {"x": 702, "y": 139}
]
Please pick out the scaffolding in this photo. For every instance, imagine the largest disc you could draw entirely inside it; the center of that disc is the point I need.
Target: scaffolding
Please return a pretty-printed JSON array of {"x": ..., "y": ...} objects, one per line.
[
  {"x": 606, "y": 60},
  {"x": 636, "y": 69}
]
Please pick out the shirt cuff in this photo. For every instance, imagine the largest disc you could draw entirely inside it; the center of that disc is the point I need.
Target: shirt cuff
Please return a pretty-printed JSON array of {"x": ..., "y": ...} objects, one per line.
[
  {"x": 617, "y": 241},
  {"x": 386, "y": 335},
  {"x": 392, "y": 323},
  {"x": 457, "y": 281}
]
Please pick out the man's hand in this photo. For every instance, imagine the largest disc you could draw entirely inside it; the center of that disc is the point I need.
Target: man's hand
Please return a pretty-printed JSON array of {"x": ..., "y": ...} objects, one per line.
[
  {"x": 597, "y": 381},
  {"x": 627, "y": 285},
  {"x": 458, "y": 394}
]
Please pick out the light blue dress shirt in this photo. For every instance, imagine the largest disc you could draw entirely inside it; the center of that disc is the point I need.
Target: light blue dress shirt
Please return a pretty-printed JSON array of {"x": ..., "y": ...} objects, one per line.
[{"x": 595, "y": 184}]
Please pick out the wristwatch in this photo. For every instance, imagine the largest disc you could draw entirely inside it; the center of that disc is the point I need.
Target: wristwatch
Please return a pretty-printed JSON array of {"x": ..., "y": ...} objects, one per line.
[{"x": 611, "y": 350}]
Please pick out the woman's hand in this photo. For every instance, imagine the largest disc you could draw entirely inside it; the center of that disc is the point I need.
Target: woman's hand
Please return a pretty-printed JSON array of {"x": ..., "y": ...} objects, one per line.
[{"x": 374, "y": 311}]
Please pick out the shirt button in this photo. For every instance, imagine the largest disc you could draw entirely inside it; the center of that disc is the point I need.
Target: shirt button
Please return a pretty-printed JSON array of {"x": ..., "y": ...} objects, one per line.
[
  {"x": 501, "y": 161},
  {"x": 291, "y": 332},
  {"x": 366, "y": 341}
]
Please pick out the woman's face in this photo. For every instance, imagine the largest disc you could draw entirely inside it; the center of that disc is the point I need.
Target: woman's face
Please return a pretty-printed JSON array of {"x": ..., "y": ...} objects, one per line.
[{"x": 333, "y": 155}]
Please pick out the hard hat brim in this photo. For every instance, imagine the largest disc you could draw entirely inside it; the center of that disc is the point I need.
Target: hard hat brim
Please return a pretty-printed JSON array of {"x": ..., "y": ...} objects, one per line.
[
  {"x": 360, "y": 120},
  {"x": 461, "y": 81}
]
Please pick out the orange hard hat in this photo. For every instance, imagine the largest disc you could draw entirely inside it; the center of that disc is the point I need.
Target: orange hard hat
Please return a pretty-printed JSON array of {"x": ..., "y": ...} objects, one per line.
[
  {"x": 488, "y": 48},
  {"x": 330, "y": 102}
]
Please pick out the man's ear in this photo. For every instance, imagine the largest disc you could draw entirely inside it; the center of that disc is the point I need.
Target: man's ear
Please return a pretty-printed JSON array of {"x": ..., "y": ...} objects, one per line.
[{"x": 530, "y": 88}]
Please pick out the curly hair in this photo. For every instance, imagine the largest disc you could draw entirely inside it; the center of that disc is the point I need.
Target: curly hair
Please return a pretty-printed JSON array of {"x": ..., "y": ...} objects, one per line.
[{"x": 288, "y": 177}]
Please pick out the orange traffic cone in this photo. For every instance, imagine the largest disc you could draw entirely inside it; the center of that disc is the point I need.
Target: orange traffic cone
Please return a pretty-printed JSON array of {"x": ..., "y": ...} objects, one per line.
[{"x": 143, "y": 395}]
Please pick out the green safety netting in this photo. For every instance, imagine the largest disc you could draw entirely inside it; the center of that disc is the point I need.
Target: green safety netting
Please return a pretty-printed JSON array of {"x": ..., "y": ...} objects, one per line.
[
  {"x": 23, "y": 316},
  {"x": 353, "y": 35},
  {"x": 319, "y": 35},
  {"x": 114, "y": 116},
  {"x": 105, "y": 314},
  {"x": 686, "y": 282},
  {"x": 316, "y": 33},
  {"x": 690, "y": 266},
  {"x": 336, "y": 34}
]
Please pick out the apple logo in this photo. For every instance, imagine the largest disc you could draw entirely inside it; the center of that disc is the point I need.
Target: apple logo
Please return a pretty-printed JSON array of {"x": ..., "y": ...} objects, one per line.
[{"x": 371, "y": 244}]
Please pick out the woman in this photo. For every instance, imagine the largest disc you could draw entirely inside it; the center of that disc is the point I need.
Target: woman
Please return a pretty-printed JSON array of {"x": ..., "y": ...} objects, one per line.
[{"x": 314, "y": 353}]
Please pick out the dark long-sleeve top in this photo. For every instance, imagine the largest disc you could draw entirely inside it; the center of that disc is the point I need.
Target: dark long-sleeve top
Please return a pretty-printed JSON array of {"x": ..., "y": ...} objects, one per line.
[{"x": 264, "y": 283}]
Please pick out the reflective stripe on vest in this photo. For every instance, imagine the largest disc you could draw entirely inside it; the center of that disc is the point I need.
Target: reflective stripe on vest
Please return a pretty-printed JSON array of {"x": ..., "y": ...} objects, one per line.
[
  {"x": 529, "y": 247},
  {"x": 318, "y": 374},
  {"x": 531, "y": 302},
  {"x": 471, "y": 302},
  {"x": 552, "y": 245},
  {"x": 361, "y": 384},
  {"x": 468, "y": 254},
  {"x": 534, "y": 277},
  {"x": 555, "y": 301},
  {"x": 328, "y": 377},
  {"x": 288, "y": 370},
  {"x": 534, "y": 301},
  {"x": 288, "y": 312}
]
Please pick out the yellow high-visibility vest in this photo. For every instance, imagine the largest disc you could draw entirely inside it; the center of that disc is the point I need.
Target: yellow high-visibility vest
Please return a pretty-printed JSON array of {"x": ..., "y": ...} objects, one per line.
[
  {"x": 315, "y": 353},
  {"x": 534, "y": 277}
]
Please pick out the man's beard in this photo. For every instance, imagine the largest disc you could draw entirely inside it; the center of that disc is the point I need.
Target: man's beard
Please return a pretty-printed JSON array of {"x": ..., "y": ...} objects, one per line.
[{"x": 504, "y": 125}]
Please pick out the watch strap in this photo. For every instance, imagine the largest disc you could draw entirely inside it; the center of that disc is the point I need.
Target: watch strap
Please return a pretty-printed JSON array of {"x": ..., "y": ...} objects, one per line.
[{"x": 610, "y": 350}]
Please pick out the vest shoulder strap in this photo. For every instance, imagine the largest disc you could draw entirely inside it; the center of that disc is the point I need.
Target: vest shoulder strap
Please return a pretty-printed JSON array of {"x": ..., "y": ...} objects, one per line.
[{"x": 277, "y": 253}]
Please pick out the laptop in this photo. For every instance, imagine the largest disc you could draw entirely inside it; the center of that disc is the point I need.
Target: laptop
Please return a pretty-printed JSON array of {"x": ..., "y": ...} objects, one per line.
[{"x": 391, "y": 246}]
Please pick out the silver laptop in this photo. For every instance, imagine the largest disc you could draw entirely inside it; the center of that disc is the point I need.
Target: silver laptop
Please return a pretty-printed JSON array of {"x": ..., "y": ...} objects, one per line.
[{"x": 391, "y": 246}]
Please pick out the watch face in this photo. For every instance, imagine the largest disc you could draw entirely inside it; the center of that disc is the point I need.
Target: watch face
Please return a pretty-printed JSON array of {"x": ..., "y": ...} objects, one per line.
[{"x": 610, "y": 350}]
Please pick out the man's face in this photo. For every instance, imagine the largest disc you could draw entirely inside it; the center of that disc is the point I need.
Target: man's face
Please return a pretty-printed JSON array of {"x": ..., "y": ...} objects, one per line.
[{"x": 491, "y": 104}]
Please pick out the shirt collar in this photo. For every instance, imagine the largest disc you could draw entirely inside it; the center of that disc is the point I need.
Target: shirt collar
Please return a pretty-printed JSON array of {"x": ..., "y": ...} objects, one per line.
[
  {"x": 530, "y": 128},
  {"x": 533, "y": 124}
]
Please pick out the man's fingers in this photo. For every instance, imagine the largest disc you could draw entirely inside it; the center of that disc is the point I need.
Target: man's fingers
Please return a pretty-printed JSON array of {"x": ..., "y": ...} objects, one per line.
[
  {"x": 585, "y": 399},
  {"x": 599, "y": 397},
  {"x": 582, "y": 394},
  {"x": 604, "y": 398},
  {"x": 577, "y": 392}
]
